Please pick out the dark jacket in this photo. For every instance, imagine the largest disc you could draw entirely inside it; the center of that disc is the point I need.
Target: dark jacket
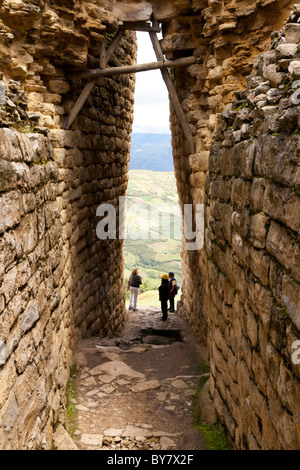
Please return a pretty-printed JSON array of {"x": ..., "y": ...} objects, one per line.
[
  {"x": 135, "y": 281},
  {"x": 164, "y": 290}
]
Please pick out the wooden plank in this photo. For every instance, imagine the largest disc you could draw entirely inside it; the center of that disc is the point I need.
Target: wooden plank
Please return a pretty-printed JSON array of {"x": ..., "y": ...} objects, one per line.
[
  {"x": 173, "y": 95},
  {"x": 104, "y": 58},
  {"x": 128, "y": 69}
]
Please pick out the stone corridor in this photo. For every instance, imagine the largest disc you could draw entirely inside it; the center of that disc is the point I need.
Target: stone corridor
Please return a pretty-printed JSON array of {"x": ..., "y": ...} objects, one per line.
[
  {"x": 60, "y": 285},
  {"x": 136, "y": 391}
]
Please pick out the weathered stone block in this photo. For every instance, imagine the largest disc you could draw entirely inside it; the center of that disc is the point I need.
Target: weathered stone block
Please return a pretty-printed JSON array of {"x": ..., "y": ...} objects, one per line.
[
  {"x": 259, "y": 372},
  {"x": 10, "y": 210},
  {"x": 2, "y": 93},
  {"x": 270, "y": 438},
  {"x": 199, "y": 162},
  {"x": 9, "y": 145},
  {"x": 258, "y": 230},
  {"x": 276, "y": 159},
  {"x": 63, "y": 441},
  {"x": 260, "y": 265},
  {"x": 291, "y": 299},
  {"x": 282, "y": 247},
  {"x": 30, "y": 316},
  {"x": 287, "y": 50},
  {"x": 252, "y": 327},
  {"x": 292, "y": 33},
  {"x": 226, "y": 222},
  {"x": 59, "y": 86},
  {"x": 10, "y": 412},
  {"x": 240, "y": 195},
  {"x": 257, "y": 194},
  {"x": 241, "y": 223},
  {"x": 8, "y": 178},
  {"x": 271, "y": 74},
  {"x": 205, "y": 405},
  {"x": 7, "y": 378},
  {"x": 260, "y": 301},
  {"x": 23, "y": 353},
  {"x": 286, "y": 431}
]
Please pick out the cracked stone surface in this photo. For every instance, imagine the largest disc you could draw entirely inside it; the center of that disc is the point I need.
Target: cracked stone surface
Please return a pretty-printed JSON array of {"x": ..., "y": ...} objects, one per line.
[{"x": 132, "y": 394}]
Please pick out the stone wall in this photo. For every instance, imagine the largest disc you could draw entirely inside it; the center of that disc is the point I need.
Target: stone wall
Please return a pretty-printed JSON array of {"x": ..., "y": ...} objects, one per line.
[
  {"x": 58, "y": 281},
  {"x": 227, "y": 37},
  {"x": 253, "y": 221},
  {"x": 241, "y": 293}
]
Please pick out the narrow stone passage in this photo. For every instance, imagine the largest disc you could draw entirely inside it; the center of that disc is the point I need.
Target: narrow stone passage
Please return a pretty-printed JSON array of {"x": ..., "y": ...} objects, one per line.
[{"x": 136, "y": 391}]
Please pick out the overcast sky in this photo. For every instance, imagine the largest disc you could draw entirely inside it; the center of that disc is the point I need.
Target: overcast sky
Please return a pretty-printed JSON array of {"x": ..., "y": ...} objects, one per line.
[{"x": 151, "y": 110}]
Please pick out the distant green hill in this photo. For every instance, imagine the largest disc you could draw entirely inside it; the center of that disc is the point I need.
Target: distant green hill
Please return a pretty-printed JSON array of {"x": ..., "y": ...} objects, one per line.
[
  {"x": 157, "y": 254},
  {"x": 151, "y": 152}
]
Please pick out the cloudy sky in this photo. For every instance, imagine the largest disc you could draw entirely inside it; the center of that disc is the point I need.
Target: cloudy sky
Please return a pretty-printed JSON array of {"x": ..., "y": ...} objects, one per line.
[{"x": 151, "y": 111}]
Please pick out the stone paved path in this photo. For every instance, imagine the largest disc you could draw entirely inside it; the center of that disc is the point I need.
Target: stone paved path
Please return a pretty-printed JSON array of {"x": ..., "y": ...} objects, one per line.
[{"x": 136, "y": 391}]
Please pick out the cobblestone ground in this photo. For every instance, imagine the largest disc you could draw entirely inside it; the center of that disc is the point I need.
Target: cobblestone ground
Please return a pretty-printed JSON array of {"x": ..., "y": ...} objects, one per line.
[{"x": 136, "y": 391}]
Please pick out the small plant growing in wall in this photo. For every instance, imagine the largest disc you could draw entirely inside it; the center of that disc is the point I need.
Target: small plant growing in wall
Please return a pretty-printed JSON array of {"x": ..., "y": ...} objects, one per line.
[{"x": 296, "y": 190}]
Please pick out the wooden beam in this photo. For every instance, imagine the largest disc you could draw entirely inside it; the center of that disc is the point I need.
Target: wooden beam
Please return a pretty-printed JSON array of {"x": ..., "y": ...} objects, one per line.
[
  {"x": 103, "y": 55},
  {"x": 128, "y": 69},
  {"x": 140, "y": 26},
  {"x": 104, "y": 58},
  {"x": 79, "y": 103},
  {"x": 113, "y": 46},
  {"x": 173, "y": 94},
  {"x": 138, "y": 10}
]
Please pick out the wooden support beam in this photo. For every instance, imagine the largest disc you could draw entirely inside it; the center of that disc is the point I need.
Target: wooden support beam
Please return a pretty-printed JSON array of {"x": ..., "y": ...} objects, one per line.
[
  {"x": 173, "y": 95},
  {"x": 161, "y": 64},
  {"x": 140, "y": 26},
  {"x": 79, "y": 103},
  {"x": 128, "y": 69},
  {"x": 103, "y": 55},
  {"x": 113, "y": 46},
  {"x": 104, "y": 58}
]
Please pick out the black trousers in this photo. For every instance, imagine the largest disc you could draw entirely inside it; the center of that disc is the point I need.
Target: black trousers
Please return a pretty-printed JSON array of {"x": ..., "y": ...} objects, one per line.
[
  {"x": 172, "y": 299},
  {"x": 164, "y": 309}
]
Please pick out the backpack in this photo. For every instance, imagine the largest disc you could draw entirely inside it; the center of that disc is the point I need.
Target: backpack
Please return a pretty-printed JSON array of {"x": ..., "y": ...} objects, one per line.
[{"x": 177, "y": 286}]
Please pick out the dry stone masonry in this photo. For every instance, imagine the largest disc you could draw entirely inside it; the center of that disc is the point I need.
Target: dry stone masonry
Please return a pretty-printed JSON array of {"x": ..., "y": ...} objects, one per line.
[
  {"x": 241, "y": 293},
  {"x": 253, "y": 221},
  {"x": 227, "y": 37},
  {"x": 59, "y": 283}
]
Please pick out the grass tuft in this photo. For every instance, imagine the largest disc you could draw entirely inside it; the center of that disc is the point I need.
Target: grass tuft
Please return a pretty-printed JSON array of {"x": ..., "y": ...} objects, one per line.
[
  {"x": 71, "y": 408},
  {"x": 214, "y": 437}
]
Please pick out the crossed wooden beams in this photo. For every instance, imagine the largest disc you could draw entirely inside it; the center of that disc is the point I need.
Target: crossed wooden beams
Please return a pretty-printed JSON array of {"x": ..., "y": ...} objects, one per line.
[{"x": 161, "y": 64}]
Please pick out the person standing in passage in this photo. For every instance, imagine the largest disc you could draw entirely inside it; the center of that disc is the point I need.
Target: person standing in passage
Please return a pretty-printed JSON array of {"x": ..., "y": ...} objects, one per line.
[
  {"x": 164, "y": 296},
  {"x": 173, "y": 291},
  {"x": 134, "y": 282}
]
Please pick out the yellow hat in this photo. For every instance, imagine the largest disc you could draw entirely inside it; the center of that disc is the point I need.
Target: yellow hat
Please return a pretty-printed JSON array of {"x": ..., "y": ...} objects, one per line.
[{"x": 165, "y": 276}]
